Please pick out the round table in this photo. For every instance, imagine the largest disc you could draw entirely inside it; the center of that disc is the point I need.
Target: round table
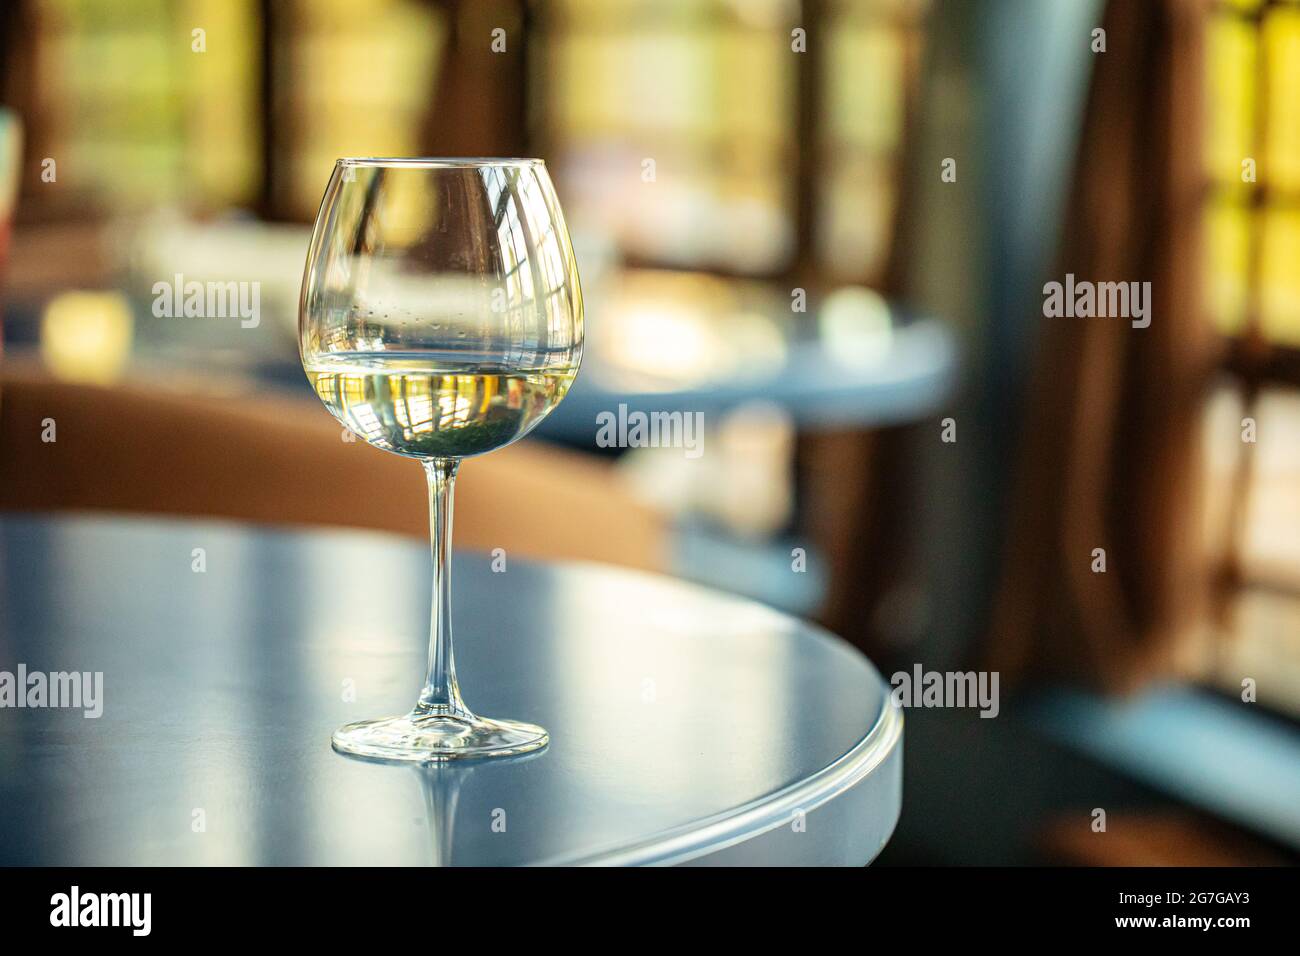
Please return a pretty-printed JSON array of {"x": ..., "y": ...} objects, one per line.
[
  {"x": 687, "y": 726},
  {"x": 817, "y": 388}
]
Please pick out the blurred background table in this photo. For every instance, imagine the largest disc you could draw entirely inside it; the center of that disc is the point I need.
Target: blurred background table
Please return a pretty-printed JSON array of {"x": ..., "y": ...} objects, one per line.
[
  {"x": 784, "y": 383},
  {"x": 687, "y": 726}
]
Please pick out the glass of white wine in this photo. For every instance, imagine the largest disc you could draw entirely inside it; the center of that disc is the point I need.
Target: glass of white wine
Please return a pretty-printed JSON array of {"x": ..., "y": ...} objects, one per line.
[{"x": 440, "y": 318}]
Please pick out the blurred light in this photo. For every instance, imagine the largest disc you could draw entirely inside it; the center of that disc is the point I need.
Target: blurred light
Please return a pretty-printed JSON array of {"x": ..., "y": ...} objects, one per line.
[
  {"x": 856, "y": 327},
  {"x": 665, "y": 342},
  {"x": 86, "y": 336},
  {"x": 674, "y": 330}
]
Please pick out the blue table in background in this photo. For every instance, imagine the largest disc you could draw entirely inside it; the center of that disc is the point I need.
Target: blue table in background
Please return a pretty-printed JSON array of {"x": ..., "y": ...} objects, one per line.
[{"x": 908, "y": 380}]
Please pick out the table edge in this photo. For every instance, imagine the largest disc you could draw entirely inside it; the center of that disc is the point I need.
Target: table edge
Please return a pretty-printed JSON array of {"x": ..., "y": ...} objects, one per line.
[{"x": 747, "y": 821}]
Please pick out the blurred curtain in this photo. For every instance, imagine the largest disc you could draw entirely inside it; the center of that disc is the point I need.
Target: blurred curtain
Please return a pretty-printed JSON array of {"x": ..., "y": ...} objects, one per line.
[{"x": 1109, "y": 455}]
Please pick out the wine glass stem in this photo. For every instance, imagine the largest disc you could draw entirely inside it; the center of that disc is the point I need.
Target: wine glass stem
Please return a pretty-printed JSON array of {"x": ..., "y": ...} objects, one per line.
[{"x": 441, "y": 694}]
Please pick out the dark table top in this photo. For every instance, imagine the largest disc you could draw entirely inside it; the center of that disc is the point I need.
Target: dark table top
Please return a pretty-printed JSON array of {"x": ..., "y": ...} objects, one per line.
[{"x": 686, "y": 725}]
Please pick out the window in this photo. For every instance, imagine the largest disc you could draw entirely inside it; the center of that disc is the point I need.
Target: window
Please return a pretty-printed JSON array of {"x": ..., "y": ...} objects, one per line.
[
  {"x": 140, "y": 111},
  {"x": 873, "y": 52},
  {"x": 134, "y": 114},
  {"x": 678, "y": 117},
  {"x": 1253, "y": 245},
  {"x": 685, "y": 122},
  {"x": 349, "y": 80}
]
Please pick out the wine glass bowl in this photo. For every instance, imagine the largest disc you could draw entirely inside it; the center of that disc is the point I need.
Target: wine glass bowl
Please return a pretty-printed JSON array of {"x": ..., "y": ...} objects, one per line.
[{"x": 440, "y": 318}]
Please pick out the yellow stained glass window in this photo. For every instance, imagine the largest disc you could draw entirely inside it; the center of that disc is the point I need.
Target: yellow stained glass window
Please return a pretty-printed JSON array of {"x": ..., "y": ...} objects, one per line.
[
  {"x": 1282, "y": 49},
  {"x": 1230, "y": 56},
  {"x": 1227, "y": 244},
  {"x": 1280, "y": 277},
  {"x": 1252, "y": 156}
]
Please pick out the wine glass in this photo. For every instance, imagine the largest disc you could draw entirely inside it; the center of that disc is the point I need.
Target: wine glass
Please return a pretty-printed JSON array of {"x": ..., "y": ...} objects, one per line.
[{"x": 440, "y": 318}]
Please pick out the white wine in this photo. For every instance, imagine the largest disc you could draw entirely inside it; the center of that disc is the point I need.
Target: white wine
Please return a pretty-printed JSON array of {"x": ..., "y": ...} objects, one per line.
[{"x": 417, "y": 406}]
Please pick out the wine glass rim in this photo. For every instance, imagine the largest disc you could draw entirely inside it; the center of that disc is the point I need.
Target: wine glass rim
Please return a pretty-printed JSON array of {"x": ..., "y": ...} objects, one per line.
[{"x": 439, "y": 162}]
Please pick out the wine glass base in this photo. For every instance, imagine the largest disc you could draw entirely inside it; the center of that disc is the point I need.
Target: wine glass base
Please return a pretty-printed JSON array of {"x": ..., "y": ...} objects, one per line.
[{"x": 424, "y": 738}]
